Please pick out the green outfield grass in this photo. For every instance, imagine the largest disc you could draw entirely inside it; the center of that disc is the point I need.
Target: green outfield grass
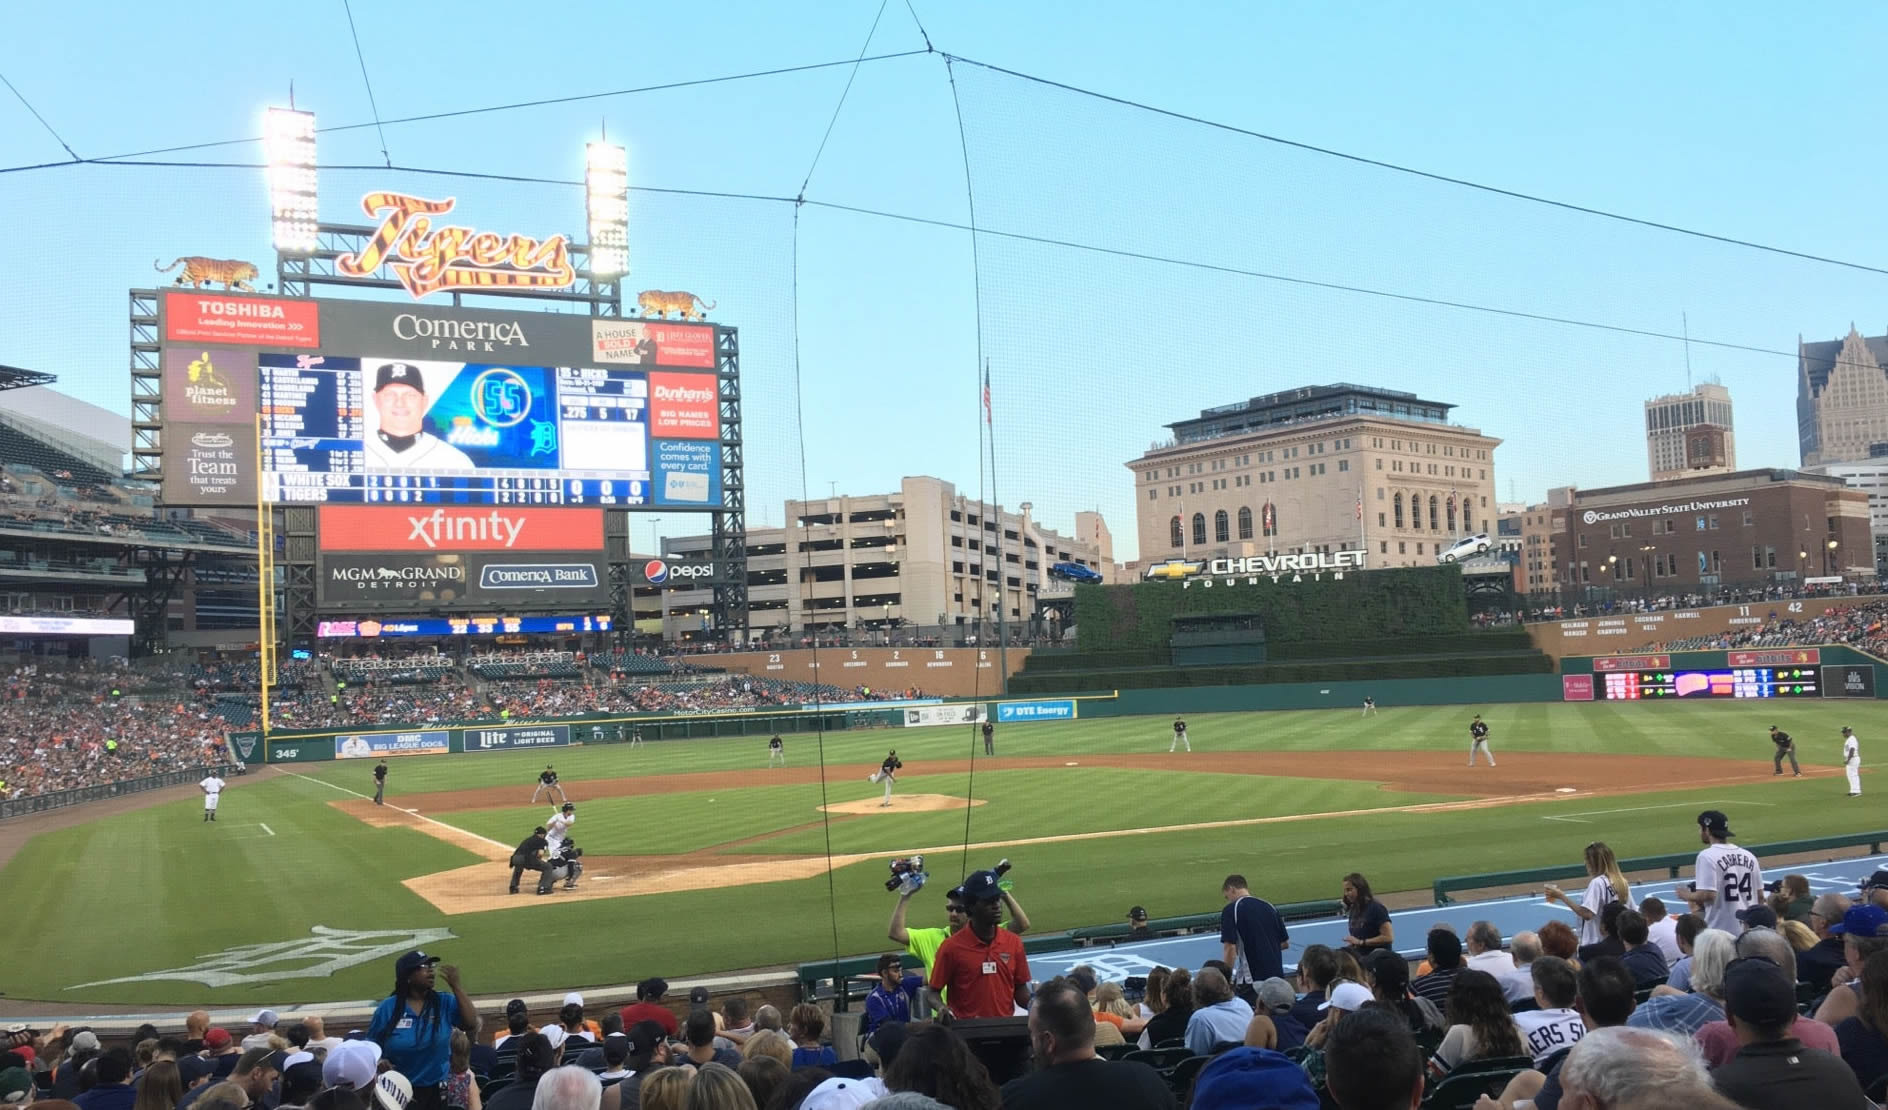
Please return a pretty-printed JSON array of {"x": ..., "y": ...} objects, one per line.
[{"x": 155, "y": 889}]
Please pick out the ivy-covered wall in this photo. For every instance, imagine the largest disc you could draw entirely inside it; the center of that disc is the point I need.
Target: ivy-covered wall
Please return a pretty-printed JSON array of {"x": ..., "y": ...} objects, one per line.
[{"x": 1405, "y": 601}]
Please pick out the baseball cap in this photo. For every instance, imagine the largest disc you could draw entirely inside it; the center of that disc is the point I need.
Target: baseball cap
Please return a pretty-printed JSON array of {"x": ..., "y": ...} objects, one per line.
[
  {"x": 351, "y": 1064},
  {"x": 1879, "y": 878},
  {"x": 981, "y": 886},
  {"x": 1866, "y": 920},
  {"x": 217, "y": 1037},
  {"x": 87, "y": 1041},
  {"x": 843, "y": 1094},
  {"x": 1138, "y": 913},
  {"x": 644, "y": 1036},
  {"x": 1715, "y": 823},
  {"x": 255, "y": 1058},
  {"x": 698, "y": 996},
  {"x": 398, "y": 373},
  {"x": 1758, "y": 917},
  {"x": 300, "y": 1081},
  {"x": 1244, "y": 1077},
  {"x": 1277, "y": 994},
  {"x": 887, "y": 1039},
  {"x": 516, "y": 1006},
  {"x": 1758, "y": 992},
  {"x": 554, "y": 1034},
  {"x": 266, "y": 1017},
  {"x": 295, "y": 1059},
  {"x": 1084, "y": 980},
  {"x": 16, "y": 1085},
  {"x": 571, "y": 999},
  {"x": 410, "y": 963},
  {"x": 570, "y": 805},
  {"x": 392, "y": 1091},
  {"x": 1349, "y": 997}
]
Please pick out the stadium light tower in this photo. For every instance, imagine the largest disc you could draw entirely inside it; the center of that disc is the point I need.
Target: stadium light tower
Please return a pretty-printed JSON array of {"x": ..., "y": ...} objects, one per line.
[
  {"x": 288, "y": 138},
  {"x": 606, "y": 200}
]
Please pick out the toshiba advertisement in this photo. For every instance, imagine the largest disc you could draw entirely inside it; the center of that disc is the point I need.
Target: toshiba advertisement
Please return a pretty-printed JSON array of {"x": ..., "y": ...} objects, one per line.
[{"x": 418, "y": 559}]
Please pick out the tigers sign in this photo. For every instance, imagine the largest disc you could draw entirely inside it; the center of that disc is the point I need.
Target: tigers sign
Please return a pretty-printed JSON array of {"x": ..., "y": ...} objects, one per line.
[{"x": 428, "y": 259}]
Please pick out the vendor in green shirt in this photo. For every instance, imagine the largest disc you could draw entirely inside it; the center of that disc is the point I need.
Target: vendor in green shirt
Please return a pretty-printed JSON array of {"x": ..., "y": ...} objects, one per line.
[{"x": 924, "y": 943}]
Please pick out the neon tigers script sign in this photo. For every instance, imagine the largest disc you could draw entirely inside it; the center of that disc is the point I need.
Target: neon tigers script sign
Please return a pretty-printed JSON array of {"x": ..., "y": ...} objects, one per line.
[{"x": 427, "y": 259}]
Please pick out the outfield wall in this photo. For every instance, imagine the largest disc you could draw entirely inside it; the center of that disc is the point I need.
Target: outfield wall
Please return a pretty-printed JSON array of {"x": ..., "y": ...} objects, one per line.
[
  {"x": 1623, "y": 633},
  {"x": 938, "y": 672},
  {"x": 1829, "y": 661},
  {"x": 1389, "y": 693}
]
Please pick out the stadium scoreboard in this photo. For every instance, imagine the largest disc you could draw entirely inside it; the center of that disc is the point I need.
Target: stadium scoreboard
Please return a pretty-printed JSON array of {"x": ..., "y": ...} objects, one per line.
[{"x": 1736, "y": 682}]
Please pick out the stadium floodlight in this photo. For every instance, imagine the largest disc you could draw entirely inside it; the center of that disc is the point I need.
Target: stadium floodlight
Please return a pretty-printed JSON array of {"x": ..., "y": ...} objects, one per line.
[
  {"x": 288, "y": 139},
  {"x": 606, "y": 200}
]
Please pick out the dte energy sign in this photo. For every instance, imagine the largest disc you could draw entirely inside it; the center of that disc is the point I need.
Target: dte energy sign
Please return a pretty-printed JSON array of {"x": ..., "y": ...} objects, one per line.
[{"x": 1019, "y": 712}]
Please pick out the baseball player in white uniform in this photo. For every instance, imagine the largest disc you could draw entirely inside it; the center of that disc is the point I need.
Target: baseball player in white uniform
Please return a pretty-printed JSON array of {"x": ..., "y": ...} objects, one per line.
[
  {"x": 1727, "y": 877},
  {"x": 1852, "y": 761},
  {"x": 212, "y": 787},
  {"x": 558, "y": 827},
  {"x": 401, "y": 441}
]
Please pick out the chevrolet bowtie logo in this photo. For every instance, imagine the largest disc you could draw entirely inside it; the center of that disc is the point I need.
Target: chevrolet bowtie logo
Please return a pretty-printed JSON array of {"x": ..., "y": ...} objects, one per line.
[{"x": 1175, "y": 569}]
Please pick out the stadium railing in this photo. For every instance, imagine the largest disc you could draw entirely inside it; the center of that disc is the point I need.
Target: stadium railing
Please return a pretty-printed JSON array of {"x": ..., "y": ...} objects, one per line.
[
  {"x": 79, "y": 795},
  {"x": 1673, "y": 864}
]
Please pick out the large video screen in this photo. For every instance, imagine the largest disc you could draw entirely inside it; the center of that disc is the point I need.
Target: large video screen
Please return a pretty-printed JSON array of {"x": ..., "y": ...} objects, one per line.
[
  {"x": 1740, "y": 682},
  {"x": 389, "y": 404}
]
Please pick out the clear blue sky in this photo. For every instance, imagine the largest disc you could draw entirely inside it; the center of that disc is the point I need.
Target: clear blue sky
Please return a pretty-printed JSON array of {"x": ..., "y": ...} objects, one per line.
[{"x": 1742, "y": 119}]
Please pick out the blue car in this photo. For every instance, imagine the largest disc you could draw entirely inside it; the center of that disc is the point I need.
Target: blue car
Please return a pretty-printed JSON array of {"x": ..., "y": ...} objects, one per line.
[{"x": 1075, "y": 572}]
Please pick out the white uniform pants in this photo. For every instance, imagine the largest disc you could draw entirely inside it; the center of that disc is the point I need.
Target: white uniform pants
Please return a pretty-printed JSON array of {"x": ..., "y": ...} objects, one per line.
[
  {"x": 1854, "y": 769},
  {"x": 545, "y": 787},
  {"x": 776, "y": 755},
  {"x": 1179, "y": 739},
  {"x": 209, "y": 802},
  {"x": 1482, "y": 747}
]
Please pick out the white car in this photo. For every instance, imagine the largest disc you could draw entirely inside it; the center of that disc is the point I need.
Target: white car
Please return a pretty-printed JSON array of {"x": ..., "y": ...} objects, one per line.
[{"x": 1464, "y": 548}]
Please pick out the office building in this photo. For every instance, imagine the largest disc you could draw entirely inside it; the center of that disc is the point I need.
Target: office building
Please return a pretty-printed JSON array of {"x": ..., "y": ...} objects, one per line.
[
  {"x": 1688, "y": 434},
  {"x": 1841, "y": 398},
  {"x": 1871, "y": 477},
  {"x": 1320, "y": 469}
]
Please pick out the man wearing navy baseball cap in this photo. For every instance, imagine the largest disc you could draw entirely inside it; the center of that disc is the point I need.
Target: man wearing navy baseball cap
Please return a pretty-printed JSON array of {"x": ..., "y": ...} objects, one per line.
[
  {"x": 400, "y": 441},
  {"x": 982, "y": 967}
]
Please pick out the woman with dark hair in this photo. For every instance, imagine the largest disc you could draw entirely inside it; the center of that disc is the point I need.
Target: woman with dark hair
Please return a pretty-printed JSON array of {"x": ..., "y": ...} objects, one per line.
[
  {"x": 937, "y": 1062},
  {"x": 1481, "y": 1027},
  {"x": 160, "y": 1087},
  {"x": 1171, "y": 1023},
  {"x": 413, "y": 1026},
  {"x": 1389, "y": 984},
  {"x": 1369, "y": 920},
  {"x": 1864, "y": 1038},
  {"x": 763, "y": 1075}
]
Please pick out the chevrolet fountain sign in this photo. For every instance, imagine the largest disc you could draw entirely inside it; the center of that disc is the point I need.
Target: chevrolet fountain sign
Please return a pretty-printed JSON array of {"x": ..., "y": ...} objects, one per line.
[{"x": 1254, "y": 567}]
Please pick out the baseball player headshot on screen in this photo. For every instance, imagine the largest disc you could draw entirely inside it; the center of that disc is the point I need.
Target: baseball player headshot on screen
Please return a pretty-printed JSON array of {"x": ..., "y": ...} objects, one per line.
[{"x": 401, "y": 441}]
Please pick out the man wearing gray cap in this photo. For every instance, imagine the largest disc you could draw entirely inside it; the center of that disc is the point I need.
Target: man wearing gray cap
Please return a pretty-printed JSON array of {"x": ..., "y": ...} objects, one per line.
[{"x": 400, "y": 440}]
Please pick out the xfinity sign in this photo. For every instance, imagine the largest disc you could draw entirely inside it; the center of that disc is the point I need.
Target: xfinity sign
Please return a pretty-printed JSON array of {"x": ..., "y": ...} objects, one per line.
[{"x": 660, "y": 572}]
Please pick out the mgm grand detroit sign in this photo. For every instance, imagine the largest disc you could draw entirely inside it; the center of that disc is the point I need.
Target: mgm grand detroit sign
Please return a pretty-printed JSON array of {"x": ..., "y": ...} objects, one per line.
[{"x": 1228, "y": 572}]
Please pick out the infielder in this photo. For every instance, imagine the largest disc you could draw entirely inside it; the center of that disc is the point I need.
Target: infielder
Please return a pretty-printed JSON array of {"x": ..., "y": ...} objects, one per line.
[
  {"x": 557, "y": 828},
  {"x": 1370, "y": 706},
  {"x": 776, "y": 751},
  {"x": 212, "y": 787},
  {"x": 1478, "y": 741},
  {"x": 1786, "y": 745},
  {"x": 1179, "y": 736},
  {"x": 1852, "y": 761},
  {"x": 547, "y": 782},
  {"x": 887, "y": 773},
  {"x": 380, "y": 783}
]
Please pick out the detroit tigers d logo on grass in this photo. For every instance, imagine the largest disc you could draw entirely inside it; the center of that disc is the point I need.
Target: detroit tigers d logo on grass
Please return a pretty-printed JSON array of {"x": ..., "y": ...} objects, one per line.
[{"x": 323, "y": 953}]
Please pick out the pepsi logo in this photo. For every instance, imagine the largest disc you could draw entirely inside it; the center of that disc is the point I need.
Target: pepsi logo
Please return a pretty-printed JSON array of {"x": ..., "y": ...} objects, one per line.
[{"x": 656, "y": 571}]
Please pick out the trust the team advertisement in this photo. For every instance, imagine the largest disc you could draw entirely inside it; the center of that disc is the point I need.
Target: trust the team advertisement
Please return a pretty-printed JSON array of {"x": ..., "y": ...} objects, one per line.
[
  {"x": 375, "y": 745},
  {"x": 502, "y": 739},
  {"x": 1021, "y": 712}
]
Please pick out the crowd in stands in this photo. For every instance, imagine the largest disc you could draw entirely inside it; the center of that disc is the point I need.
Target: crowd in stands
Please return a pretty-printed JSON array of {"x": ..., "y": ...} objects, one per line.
[
  {"x": 88, "y": 504},
  {"x": 1695, "y": 599},
  {"x": 98, "y": 724},
  {"x": 1864, "y": 627}
]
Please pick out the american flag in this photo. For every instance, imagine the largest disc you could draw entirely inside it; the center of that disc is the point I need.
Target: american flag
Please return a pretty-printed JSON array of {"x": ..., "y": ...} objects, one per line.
[
  {"x": 987, "y": 418},
  {"x": 1360, "y": 506}
]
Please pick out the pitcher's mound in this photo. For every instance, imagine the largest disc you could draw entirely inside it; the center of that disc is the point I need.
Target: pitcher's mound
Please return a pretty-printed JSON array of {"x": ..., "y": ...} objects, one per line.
[{"x": 901, "y": 803}]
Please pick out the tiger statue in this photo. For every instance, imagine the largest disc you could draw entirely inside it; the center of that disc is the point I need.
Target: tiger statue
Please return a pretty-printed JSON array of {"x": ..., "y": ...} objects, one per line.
[
  {"x": 655, "y": 304},
  {"x": 199, "y": 271}
]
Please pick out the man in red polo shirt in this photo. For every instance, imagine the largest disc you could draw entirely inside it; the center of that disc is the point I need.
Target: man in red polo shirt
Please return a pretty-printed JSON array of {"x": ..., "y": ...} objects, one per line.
[{"x": 983, "y": 966}]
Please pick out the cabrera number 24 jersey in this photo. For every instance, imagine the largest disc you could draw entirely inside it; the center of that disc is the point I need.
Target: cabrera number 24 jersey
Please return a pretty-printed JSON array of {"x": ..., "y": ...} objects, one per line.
[{"x": 1736, "y": 877}]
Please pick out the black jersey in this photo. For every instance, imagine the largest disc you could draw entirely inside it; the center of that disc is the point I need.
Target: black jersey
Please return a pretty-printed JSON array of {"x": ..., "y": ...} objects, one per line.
[
  {"x": 380, "y": 773},
  {"x": 548, "y": 778},
  {"x": 532, "y": 846},
  {"x": 1179, "y": 726},
  {"x": 891, "y": 764},
  {"x": 1478, "y": 730}
]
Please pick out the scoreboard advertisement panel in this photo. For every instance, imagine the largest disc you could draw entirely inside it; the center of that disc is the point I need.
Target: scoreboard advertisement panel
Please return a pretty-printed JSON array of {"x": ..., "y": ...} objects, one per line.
[
  {"x": 374, "y": 558},
  {"x": 1738, "y": 682},
  {"x": 371, "y": 403}
]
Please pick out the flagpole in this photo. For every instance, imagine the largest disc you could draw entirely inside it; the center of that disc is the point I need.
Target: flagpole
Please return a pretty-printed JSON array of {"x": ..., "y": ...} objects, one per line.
[
  {"x": 1363, "y": 535},
  {"x": 1002, "y": 584}
]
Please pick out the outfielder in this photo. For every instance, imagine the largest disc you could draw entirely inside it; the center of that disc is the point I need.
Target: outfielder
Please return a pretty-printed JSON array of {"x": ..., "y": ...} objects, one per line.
[
  {"x": 888, "y": 774},
  {"x": 557, "y": 828},
  {"x": 380, "y": 783},
  {"x": 547, "y": 782},
  {"x": 1852, "y": 761},
  {"x": 212, "y": 787},
  {"x": 1179, "y": 736},
  {"x": 635, "y": 737},
  {"x": 989, "y": 738},
  {"x": 1478, "y": 741},
  {"x": 1786, "y": 745},
  {"x": 776, "y": 751},
  {"x": 1370, "y": 707}
]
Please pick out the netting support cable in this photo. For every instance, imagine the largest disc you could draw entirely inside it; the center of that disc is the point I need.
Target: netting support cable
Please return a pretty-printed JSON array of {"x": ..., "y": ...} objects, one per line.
[
  {"x": 1429, "y": 175},
  {"x": 843, "y": 93},
  {"x": 922, "y": 33},
  {"x": 21, "y": 97},
  {"x": 372, "y": 105},
  {"x": 977, "y": 375}
]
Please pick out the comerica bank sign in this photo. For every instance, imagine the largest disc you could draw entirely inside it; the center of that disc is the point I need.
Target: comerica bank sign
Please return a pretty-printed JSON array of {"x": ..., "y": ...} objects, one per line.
[
  {"x": 1254, "y": 567},
  {"x": 1596, "y": 516}
]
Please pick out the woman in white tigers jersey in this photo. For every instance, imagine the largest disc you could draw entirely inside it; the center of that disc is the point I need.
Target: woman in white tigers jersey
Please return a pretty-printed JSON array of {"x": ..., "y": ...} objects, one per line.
[
  {"x": 1605, "y": 884},
  {"x": 1728, "y": 878}
]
